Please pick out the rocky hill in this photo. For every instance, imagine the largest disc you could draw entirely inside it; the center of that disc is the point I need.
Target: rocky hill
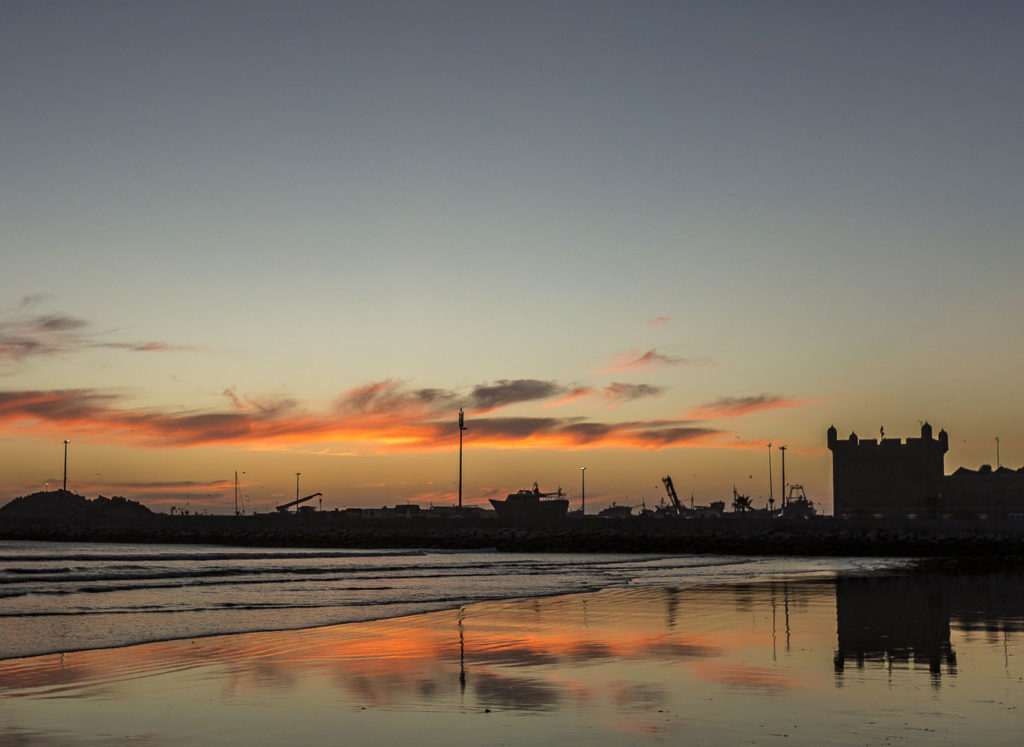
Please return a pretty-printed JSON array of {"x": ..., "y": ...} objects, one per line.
[{"x": 66, "y": 505}]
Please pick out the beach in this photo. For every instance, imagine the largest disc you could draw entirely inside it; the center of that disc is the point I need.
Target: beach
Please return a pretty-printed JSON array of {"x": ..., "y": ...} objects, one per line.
[{"x": 711, "y": 651}]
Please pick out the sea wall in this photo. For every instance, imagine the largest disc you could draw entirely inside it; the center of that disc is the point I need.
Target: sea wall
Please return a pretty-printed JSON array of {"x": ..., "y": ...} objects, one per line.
[{"x": 823, "y": 536}]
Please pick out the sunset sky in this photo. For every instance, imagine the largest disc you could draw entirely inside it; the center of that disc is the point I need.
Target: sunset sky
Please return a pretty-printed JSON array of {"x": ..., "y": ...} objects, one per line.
[{"x": 647, "y": 238}]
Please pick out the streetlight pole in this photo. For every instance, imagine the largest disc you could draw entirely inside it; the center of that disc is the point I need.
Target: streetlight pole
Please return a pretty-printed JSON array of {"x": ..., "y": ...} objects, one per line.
[
  {"x": 783, "y": 450},
  {"x": 583, "y": 490},
  {"x": 998, "y": 463},
  {"x": 297, "y": 490},
  {"x": 771, "y": 497},
  {"x": 237, "y": 513},
  {"x": 66, "y": 442}
]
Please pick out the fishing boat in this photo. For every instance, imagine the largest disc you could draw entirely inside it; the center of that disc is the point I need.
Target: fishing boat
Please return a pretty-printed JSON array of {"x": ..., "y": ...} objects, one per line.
[
  {"x": 615, "y": 511},
  {"x": 532, "y": 505}
]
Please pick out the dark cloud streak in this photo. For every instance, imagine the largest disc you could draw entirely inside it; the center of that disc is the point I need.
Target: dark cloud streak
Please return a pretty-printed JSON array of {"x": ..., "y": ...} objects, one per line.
[
  {"x": 43, "y": 335},
  {"x": 487, "y": 397}
]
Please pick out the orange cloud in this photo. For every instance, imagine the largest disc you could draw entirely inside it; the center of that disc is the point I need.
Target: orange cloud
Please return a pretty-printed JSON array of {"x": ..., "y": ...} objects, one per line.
[
  {"x": 658, "y": 321},
  {"x": 732, "y": 407},
  {"x": 633, "y": 359},
  {"x": 383, "y": 415}
]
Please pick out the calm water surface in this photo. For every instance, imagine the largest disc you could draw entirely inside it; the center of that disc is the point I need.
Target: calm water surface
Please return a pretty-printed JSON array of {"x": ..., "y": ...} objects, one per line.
[{"x": 812, "y": 657}]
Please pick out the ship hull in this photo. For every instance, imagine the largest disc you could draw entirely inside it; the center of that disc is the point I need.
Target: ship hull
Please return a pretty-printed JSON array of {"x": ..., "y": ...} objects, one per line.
[{"x": 531, "y": 510}]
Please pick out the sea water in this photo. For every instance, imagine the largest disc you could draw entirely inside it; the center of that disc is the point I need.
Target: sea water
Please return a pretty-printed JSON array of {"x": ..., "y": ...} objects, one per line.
[{"x": 58, "y": 597}]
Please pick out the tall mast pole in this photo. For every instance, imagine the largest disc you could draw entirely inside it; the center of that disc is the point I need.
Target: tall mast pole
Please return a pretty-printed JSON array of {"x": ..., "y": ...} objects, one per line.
[
  {"x": 583, "y": 490},
  {"x": 236, "y": 492},
  {"x": 998, "y": 463},
  {"x": 462, "y": 427},
  {"x": 66, "y": 442},
  {"x": 771, "y": 497}
]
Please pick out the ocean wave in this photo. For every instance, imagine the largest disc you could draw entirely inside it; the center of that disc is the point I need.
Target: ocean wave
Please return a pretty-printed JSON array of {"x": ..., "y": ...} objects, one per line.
[{"x": 205, "y": 556}]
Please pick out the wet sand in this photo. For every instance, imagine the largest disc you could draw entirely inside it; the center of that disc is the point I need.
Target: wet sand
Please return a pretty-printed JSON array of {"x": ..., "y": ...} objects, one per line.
[{"x": 922, "y": 660}]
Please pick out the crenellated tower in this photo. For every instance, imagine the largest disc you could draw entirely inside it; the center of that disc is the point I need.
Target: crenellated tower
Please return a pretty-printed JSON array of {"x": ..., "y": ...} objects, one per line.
[{"x": 889, "y": 477}]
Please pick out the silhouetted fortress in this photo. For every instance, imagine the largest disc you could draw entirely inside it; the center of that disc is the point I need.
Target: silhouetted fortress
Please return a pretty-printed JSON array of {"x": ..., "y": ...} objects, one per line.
[{"x": 899, "y": 479}]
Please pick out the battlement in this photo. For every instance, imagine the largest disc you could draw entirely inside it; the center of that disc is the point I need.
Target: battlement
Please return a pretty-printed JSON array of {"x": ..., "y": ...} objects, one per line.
[{"x": 925, "y": 443}]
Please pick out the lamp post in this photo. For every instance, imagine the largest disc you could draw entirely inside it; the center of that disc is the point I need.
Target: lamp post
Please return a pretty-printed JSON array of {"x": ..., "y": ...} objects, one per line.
[
  {"x": 783, "y": 450},
  {"x": 66, "y": 442},
  {"x": 237, "y": 513},
  {"x": 297, "y": 489},
  {"x": 771, "y": 497},
  {"x": 998, "y": 463},
  {"x": 583, "y": 490}
]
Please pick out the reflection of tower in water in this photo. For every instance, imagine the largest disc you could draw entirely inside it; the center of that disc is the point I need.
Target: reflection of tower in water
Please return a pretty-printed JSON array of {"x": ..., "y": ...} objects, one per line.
[{"x": 897, "y": 622}]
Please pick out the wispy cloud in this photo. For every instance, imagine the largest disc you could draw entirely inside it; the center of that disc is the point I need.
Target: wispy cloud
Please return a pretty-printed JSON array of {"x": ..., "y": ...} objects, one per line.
[
  {"x": 652, "y": 358},
  {"x": 620, "y": 392},
  {"x": 614, "y": 394},
  {"x": 391, "y": 396},
  {"x": 41, "y": 335},
  {"x": 175, "y": 487},
  {"x": 658, "y": 321},
  {"x": 732, "y": 407},
  {"x": 33, "y": 299},
  {"x": 575, "y": 393}
]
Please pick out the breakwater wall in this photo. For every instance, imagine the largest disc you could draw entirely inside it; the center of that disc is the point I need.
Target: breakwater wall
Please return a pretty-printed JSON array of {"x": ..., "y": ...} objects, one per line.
[{"x": 822, "y": 536}]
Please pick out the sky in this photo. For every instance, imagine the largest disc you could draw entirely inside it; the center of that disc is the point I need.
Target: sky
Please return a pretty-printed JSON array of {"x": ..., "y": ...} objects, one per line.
[{"x": 645, "y": 238}]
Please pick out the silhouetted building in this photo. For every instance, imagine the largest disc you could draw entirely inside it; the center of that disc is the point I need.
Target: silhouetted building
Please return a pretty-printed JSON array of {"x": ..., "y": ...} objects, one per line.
[
  {"x": 888, "y": 478},
  {"x": 988, "y": 493},
  {"x": 899, "y": 479}
]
